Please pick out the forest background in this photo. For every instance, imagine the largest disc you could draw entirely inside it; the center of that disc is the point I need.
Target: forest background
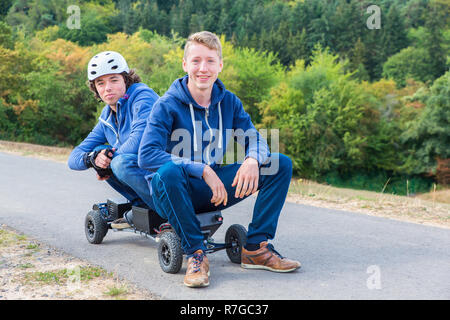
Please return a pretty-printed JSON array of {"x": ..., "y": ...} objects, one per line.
[{"x": 357, "y": 104}]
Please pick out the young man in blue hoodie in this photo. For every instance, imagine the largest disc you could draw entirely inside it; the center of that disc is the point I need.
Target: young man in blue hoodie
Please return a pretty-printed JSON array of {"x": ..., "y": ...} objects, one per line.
[
  {"x": 189, "y": 179},
  {"x": 111, "y": 147}
]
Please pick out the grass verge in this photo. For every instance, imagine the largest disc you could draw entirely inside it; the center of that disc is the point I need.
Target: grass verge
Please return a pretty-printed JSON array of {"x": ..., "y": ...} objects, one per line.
[
  {"x": 429, "y": 209},
  {"x": 30, "y": 270}
]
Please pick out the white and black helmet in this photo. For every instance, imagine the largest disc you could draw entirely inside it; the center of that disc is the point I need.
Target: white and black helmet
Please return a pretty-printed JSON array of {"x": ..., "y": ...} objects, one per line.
[{"x": 106, "y": 62}]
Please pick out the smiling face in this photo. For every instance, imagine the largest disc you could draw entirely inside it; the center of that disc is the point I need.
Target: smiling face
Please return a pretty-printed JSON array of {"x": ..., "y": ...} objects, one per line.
[
  {"x": 203, "y": 66},
  {"x": 111, "y": 87}
]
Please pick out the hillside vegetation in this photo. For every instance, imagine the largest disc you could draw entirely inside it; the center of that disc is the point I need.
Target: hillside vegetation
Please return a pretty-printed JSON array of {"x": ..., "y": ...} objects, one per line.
[{"x": 356, "y": 107}]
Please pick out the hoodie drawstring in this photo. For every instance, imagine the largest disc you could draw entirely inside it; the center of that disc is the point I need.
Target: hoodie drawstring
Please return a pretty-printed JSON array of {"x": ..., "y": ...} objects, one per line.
[
  {"x": 193, "y": 125},
  {"x": 195, "y": 131},
  {"x": 220, "y": 128}
]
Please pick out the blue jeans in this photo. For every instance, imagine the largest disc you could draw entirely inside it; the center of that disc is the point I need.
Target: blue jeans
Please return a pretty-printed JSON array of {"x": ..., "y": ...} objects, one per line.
[
  {"x": 179, "y": 197},
  {"x": 128, "y": 179}
]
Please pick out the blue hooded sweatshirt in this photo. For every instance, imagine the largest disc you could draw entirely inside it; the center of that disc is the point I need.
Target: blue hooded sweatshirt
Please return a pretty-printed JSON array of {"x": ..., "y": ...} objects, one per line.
[
  {"x": 125, "y": 135},
  {"x": 180, "y": 130}
]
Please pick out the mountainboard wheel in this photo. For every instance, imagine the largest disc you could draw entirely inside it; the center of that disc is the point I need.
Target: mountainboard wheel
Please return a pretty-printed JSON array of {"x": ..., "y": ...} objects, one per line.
[
  {"x": 95, "y": 227},
  {"x": 236, "y": 235},
  {"x": 170, "y": 253}
]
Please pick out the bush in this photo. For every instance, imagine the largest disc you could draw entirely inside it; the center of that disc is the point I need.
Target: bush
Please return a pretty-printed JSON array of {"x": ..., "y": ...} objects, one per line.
[
  {"x": 427, "y": 137},
  {"x": 409, "y": 63},
  {"x": 323, "y": 117},
  {"x": 380, "y": 181}
]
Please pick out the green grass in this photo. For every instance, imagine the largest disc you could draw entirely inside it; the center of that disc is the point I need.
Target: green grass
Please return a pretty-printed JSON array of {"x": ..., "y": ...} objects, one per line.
[
  {"x": 8, "y": 238},
  {"x": 62, "y": 275},
  {"x": 89, "y": 273},
  {"x": 49, "y": 277},
  {"x": 32, "y": 246},
  {"x": 116, "y": 292}
]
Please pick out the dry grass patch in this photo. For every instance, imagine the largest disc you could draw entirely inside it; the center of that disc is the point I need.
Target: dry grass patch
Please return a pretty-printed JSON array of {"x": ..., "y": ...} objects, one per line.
[
  {"x": 442, "y": 196},
  {"x": 420, "y": 209},
  {"x": 34, "y": 150}
]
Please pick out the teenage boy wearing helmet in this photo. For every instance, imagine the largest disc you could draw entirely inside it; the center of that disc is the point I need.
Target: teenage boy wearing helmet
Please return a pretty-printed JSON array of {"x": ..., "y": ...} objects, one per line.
[{"x": 111, "y": 147}]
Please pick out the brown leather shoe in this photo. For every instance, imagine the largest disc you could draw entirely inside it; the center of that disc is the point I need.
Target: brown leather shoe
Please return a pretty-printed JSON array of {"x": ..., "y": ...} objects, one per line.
[
  {"x": 197, "y": 272},
  {"x": 268, "y": 259}
]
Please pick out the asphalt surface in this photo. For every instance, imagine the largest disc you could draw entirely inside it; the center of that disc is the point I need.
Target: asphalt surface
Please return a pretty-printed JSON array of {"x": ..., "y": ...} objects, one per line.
[{"x": 344, "y": 255}]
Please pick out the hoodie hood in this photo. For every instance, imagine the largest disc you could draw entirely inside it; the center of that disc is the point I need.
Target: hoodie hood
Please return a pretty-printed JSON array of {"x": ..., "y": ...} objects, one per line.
[{"x": 180, "y": 91}]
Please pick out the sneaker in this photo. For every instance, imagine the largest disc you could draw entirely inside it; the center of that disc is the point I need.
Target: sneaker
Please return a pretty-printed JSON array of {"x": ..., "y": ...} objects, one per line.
[
  {"x": 120, "y": 223},
  {"x": 197, "y": 273},
  {"x": 268, "y": 259}
]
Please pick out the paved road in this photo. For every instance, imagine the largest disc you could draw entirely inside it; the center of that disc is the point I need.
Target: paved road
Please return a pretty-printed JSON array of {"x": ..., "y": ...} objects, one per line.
[{"x": 344, "y": 255}]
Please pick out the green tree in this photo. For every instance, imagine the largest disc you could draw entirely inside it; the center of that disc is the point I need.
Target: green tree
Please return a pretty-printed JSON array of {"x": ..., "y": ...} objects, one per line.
[
  {"x": 4, "y": 7},
  {"x": 374, "y": 60},
  {"x": 347, "y": 23},
  {"x": 409, "y": 63},
  {"x": 276, "y": 41},
  {"x": 250, "y": 76},
  {"x": 357, "y": 57},
  {"x": 17, "y": 14},
  {"x": 93, "y": 30},
  {"x": 166, "y": 5},
  {"x": 213, "y": 9},
  {"x": 415, "y": 13},
  {"x": 297, "y": 47},
  {"x": 437, "y": 20},
  {"x": 323, "y": 117},
  {"x": 150, "y": 17},
  {"x": 37, "y": 14},
  {"x": 393, "y": 36},
  {"x": 97, "y": 20},
  {"x": 6, "y": 40},
  {"x": 428, "y": 137}
]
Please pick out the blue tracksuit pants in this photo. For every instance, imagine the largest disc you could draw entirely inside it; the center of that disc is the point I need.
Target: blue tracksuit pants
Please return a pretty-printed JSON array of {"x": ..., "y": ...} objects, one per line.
[{"x": 178, "y": 197}]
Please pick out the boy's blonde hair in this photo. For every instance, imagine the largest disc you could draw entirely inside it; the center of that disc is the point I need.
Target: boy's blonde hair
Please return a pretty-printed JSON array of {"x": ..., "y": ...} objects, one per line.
[{"x": 206, "y": 38}]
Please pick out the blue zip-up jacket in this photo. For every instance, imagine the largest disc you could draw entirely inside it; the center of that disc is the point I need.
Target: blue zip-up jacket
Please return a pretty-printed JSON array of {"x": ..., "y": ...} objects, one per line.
[
  {"x": 133, "y": 110},
  {"x": 170, "y": 128}
]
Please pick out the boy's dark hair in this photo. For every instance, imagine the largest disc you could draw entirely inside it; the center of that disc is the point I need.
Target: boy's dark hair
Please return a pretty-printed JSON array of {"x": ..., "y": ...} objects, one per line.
[{"x": 130, "y": 78}]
